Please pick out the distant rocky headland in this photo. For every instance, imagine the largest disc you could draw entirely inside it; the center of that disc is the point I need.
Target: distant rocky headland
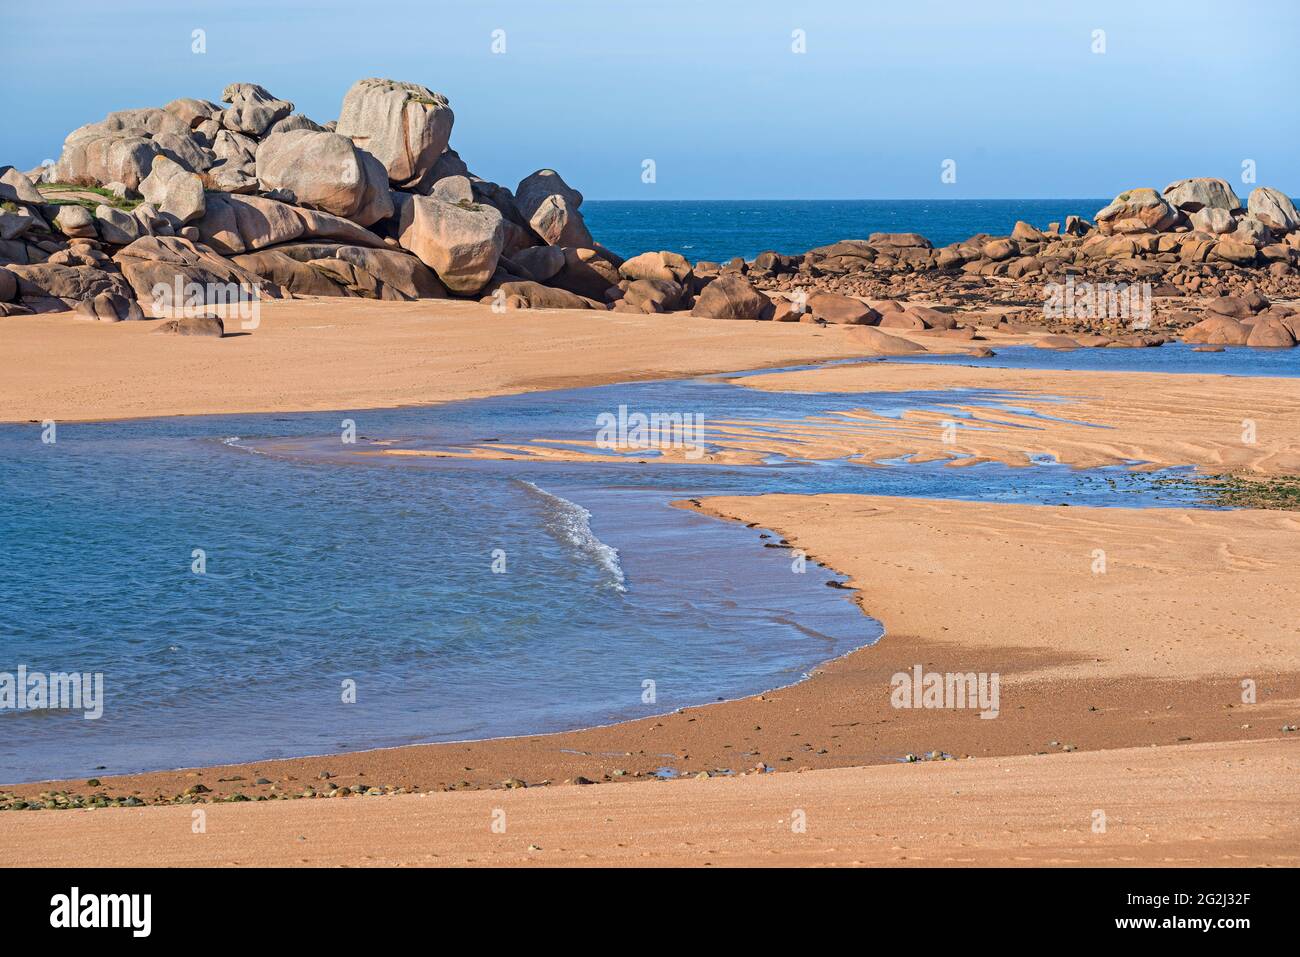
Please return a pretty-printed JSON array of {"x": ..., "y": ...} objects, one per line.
[{"x": 151, "y": 210}]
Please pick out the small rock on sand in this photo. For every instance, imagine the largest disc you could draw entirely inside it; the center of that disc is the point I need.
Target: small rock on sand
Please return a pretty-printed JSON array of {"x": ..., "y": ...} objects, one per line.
[
  {"x": 1057, "y": 342},
  {"x": 193, "y": 326}
]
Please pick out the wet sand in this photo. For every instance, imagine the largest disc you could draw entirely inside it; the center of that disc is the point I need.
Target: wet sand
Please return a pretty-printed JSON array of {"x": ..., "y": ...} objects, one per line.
[{"x": 1218, "y": 423}]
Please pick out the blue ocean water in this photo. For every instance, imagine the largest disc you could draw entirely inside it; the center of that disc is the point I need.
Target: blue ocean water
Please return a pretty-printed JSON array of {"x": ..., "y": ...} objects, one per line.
[
  {"x": 327, "y": 563},
  {"x": 719, "y": 230},
  {"x": 1174, "y": 357}
]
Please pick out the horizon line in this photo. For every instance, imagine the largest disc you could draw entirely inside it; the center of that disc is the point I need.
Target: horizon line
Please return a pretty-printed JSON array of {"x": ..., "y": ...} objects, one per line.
[{"x": 848, "y": 199}]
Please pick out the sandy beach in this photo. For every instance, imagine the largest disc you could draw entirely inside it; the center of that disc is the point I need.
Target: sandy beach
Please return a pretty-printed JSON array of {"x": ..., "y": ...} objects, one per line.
[
  {"x": 1179, "y": 806},
  {"x": 1149, "y": 656},
  {"x": 1117, "y": 689},
  {"x": 325, "y": 354}
]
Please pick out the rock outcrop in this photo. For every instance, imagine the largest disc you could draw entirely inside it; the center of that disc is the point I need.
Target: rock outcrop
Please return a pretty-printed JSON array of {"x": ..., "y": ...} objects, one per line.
[
  {"x": 533, "y": 295},
  {"x": 379, "y": 206},
  {"x": 732, "y": 296},
  {"x": 1273, "y": 208},
  {"x": 173, "y": 190},
  {"x": 325, "y": 171},
  {"x": 98, "y": 156},
  {"x": 550, "y": 207},
  {"x": 405, "y": 126},
  {"x": 237, "y": 224},
  {"x": 170, "y": 272},
  {"x": 1190, "y": 195},
  {"x": 305, "y": 208},
  {"x": 253, "y": 110},
  {"x": 1137, "y": 210},
  {"x": 461, "y": 242}
]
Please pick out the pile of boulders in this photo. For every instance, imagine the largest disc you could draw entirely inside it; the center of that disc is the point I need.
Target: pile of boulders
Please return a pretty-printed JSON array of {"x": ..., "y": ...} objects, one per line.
[
  {"x": 189, "y": 199},
  {"x": 196, "y": 194},
  {"x": 1195, "y": 223},
  {"x": 1185, "y": 248},
  {"x": 1246, "y": 321}
]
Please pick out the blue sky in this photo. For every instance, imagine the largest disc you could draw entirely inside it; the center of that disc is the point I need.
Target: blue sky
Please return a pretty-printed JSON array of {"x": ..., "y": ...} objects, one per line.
[{"x": 712, "y": 92}]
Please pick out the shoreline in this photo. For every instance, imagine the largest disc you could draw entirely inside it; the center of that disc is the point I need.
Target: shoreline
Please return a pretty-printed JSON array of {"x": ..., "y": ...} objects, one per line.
[
  {"x": 866, "y": 377},
  {"x": 322, "y": 355},
  {"x": 1108, "y": 710},
  {"x": 794, "y": 610},
  {"x": 1056, "y": 681},
  {"x": 1139, "y": 421},
  {"x": 937, "y": 575},
  {"x": 828, "y": 379}
]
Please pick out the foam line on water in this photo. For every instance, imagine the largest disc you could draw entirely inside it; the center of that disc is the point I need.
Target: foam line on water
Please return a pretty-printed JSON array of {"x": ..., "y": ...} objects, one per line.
[
  {"x": 570, "y": 523},
  {"x": 237, "y": 442}
]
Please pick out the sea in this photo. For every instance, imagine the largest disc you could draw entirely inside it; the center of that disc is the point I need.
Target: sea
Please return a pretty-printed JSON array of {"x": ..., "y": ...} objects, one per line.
[{"x": 719, "y": 230}]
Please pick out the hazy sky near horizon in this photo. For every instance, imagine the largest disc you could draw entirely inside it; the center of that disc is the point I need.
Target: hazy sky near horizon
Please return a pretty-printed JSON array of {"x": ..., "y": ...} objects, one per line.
[{"x": 713, "y": 93}]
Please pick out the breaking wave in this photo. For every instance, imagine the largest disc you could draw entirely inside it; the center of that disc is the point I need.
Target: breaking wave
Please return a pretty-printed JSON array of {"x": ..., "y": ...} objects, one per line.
[{"x": 570, "y": 524}]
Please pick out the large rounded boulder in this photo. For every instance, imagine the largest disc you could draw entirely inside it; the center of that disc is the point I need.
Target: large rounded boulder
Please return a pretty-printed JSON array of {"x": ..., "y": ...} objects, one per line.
[
  {"x": 8, "y": 285},
  {"x": 1212, "y": 220},
  {"x": 1234, "y": 250},
  {"x": 732, "y": 296},
  {"x": 588, "y": 272},
  {"x": 669, "y": 266},
  {"x": 174, "y": 190},
  {"x": 17, "y": 188},
  {"x": 1270, "y": 334},
  {"x": 1137, "y": 209},
  {"x": 191, "y": 112},
  {"x": 882, "y": 343},
  {"x": 1218, "y": 330},
  {"x": 325, "y": 171},
  {"x": 540, "y": 262},
  {"x": 461, "y": 242},
  {"x": 1274, "y": 208},
  {"x": 1201, "y": 192},
  {"x": 655, "y": 295},
  {"x": 147, "y": 121},
  {"x": 97, "y": 156},
  {"x": 166, "y": 271},
  {"x": 527, "y": 294},
  {"x": 403, "y": 125},
  {"x": 845, "y": 310},
  {"x": 253, "y": 110},
  {"x": 551, "y": 208}
]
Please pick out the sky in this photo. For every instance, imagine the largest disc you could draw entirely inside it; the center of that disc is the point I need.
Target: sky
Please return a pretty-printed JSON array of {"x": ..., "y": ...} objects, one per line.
[{"x": 714, "y": 92}]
